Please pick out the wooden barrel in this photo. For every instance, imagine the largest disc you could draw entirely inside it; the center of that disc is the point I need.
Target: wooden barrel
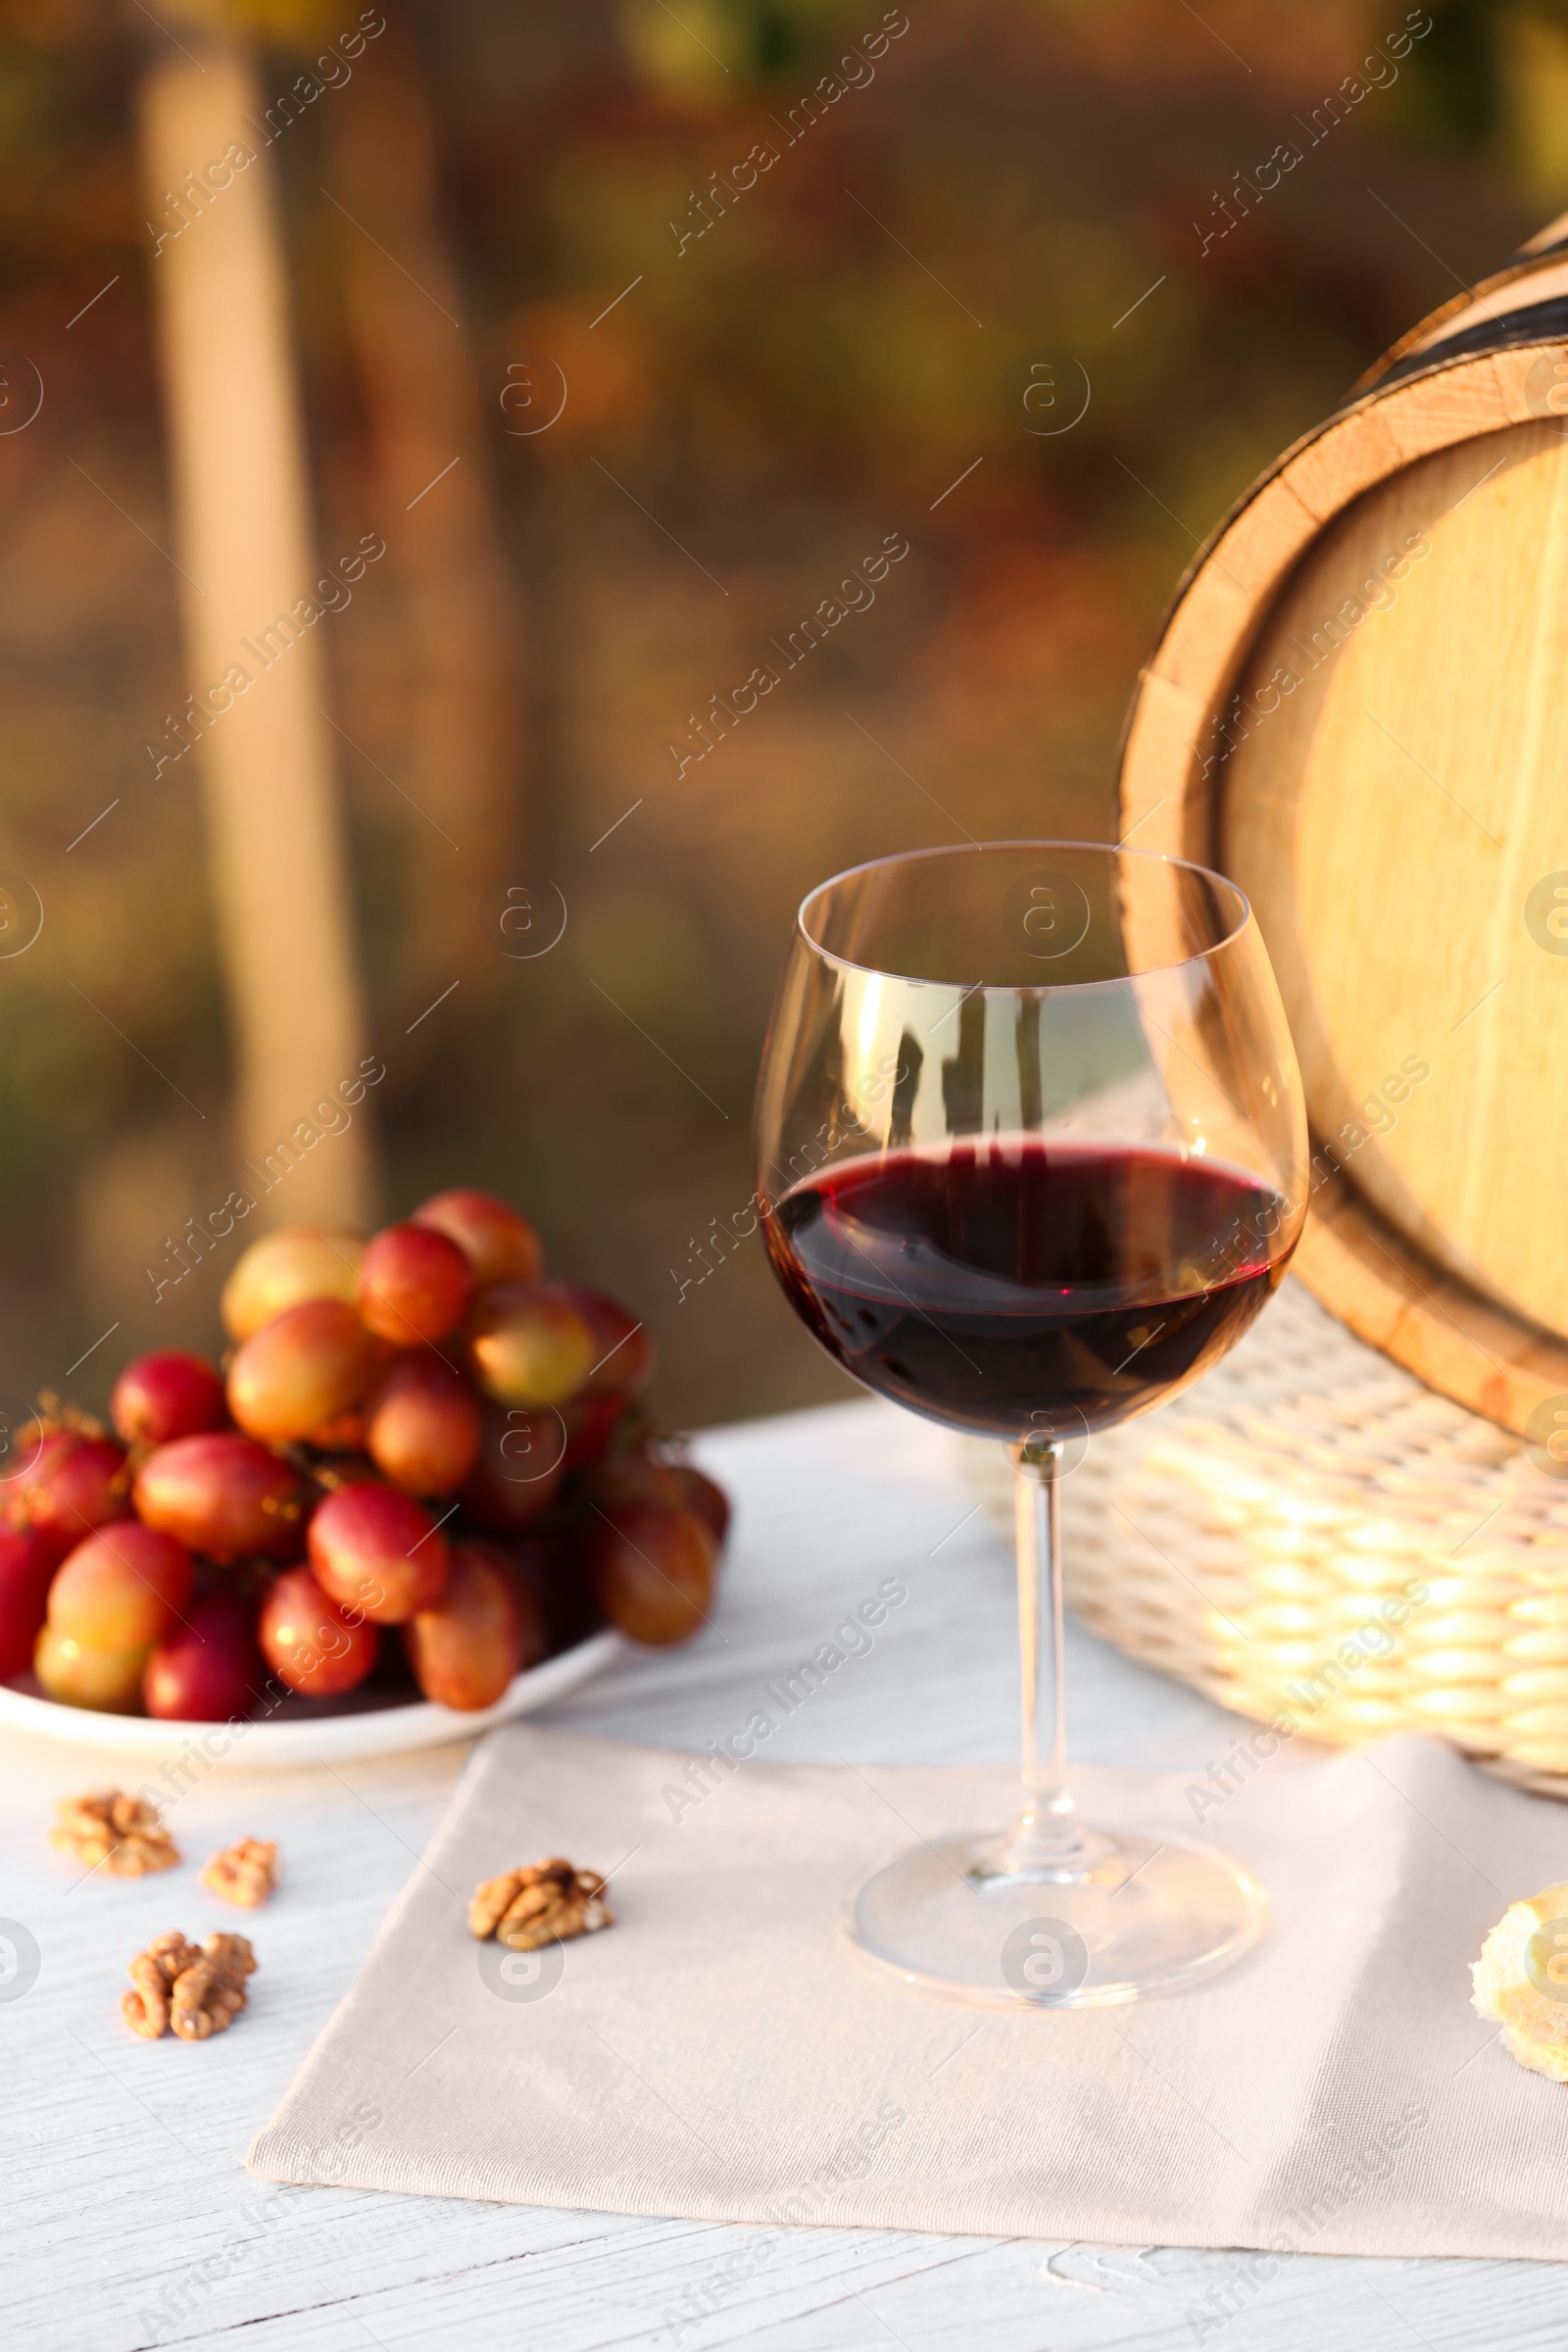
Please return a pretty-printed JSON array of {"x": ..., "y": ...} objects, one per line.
[{"x": 1358, "y": 708}]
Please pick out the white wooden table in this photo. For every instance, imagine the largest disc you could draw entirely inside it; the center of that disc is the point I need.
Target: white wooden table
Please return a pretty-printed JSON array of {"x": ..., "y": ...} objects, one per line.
[{"x": 128, "y": 2220}]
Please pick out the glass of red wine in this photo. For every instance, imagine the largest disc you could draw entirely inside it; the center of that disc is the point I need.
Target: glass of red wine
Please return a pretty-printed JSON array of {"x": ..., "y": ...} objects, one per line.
[{"x": 1031, "y": 1142}]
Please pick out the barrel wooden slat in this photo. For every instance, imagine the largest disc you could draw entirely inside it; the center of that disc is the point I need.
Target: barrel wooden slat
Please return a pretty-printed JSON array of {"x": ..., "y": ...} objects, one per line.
[{"x": 1335, "y": 466}]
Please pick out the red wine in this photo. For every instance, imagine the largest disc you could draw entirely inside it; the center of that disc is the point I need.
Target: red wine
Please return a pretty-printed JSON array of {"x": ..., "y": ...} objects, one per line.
[{"x": 1010, "y": 1278}]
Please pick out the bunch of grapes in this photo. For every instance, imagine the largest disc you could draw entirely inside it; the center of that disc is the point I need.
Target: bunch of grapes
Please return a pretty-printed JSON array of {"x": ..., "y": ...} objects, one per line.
[{"x": 414, "y": 1430}]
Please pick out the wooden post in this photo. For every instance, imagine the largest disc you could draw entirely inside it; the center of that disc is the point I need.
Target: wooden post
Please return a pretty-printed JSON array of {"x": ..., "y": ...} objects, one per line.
[{"x": 260, "y": 738}]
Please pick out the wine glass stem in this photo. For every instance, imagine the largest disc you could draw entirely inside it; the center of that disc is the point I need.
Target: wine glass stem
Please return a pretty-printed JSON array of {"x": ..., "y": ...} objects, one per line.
[{"x": 1044, "y": 1838}]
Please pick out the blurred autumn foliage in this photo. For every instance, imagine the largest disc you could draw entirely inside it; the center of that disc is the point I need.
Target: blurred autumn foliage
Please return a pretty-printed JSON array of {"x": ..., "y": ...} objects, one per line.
[{"x": 1005, "y": 195}]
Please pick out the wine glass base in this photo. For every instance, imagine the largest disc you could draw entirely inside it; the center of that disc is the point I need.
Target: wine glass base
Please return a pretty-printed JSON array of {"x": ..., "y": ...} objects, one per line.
[{"x": 1142, "y": 1917}]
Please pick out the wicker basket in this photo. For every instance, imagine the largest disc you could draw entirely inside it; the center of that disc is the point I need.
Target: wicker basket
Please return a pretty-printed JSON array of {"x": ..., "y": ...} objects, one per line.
[{"x": 1313, "y": 1532}]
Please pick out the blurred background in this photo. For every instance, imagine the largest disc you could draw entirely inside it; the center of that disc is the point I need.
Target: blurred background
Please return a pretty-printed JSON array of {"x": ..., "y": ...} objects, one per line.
[{"x": 797, "y": 310}]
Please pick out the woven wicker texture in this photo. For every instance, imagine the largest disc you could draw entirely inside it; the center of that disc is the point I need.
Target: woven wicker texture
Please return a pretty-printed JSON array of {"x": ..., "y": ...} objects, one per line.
[{"x": 1310, "y": 1531}]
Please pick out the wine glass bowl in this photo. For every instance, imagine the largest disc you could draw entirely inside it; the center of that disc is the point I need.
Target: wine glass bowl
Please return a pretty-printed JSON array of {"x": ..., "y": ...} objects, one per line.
[{"x": 1031, "y": 1144}]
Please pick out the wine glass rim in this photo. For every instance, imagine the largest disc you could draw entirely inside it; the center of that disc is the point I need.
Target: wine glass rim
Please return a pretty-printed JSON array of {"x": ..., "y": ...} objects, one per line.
[{"x": 955, "y": 848}]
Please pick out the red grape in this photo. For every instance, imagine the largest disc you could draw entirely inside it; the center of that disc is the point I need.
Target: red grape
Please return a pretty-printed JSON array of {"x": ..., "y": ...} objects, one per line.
[
  {"x": 309, "y": 1642},
  {"x": 73, "y": 1484},
  {"x": 344, "y": 1434},
  {"x": 703, "y": 1496},
  {"x": 376, "y": 1549},
  {"x": 303, "y": 1261},
  {"x": 591, "y": 1423},
  {"x": 633, "y": 1476},
  {"x": 622, "y": 1360},
  {"x": 527, "y": 1346},
  {"x": 422, "y": 1431},
  {"x": 309, "y": 1365},
  {"x": 26, "y": 1563},
  {"x": 520, "y": 1466},
  {"x": 167, "y": 1395},
  {"x": 79, "y": 1676},
  {"x": 653, "y": 1570},
  {"x": 467, "y": 1648},
  {"x": 207, "y": 1670},
  {"x": 121, "y": 1587},
  {"x": 222, "y": 1494},
  {"x": 498, "y": 1243},
  {"x": 550, "y": 1575},
  {"x": 415, "y": 1284}
]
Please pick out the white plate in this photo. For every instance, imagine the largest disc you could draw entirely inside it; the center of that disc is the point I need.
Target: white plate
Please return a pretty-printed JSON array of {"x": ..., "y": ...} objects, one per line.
[{"x": 305, "y": 1730}]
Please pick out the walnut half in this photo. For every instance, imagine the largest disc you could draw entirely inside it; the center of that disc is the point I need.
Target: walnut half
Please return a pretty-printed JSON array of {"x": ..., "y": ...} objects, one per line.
[
  {"x": 153, "y": 1973},
  {"x": 544, "y": 1903},
  {"x": 191, "y": 1989},
  {"x": 244, "y": 1873},
  {"x": 120, "y": 1832}
]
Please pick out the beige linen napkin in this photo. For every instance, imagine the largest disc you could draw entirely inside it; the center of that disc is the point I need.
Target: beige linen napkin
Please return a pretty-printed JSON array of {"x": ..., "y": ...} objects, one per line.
[{"x": 721, "y": 2055}]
